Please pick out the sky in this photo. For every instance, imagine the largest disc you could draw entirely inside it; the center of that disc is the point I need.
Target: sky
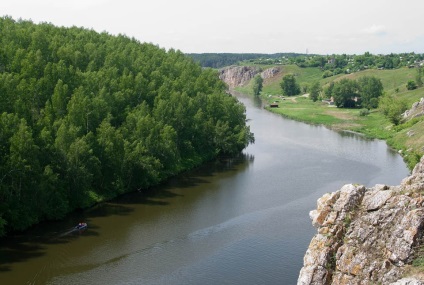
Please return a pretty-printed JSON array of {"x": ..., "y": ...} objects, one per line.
[{"x": 243, "y": 26}]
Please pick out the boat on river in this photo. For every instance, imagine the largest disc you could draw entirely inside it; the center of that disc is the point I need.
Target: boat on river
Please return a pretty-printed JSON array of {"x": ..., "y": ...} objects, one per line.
[{"x": 81, "y": 226}]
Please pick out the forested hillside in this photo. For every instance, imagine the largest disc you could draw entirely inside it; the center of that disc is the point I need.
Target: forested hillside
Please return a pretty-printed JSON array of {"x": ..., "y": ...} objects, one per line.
[{"x": 86, "y": 116}]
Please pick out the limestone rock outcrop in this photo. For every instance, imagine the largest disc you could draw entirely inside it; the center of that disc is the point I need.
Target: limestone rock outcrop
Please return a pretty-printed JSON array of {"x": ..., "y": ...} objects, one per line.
[
  {"x": 417, "y": 110},
  {"x": 366, "y": 235},
  {"x": 270, "y": 72},
  {"x": 236, "y": 76}
]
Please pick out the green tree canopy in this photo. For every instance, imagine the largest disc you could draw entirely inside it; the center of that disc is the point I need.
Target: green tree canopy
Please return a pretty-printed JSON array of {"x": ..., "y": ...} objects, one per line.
[
  {"x": 345, "y": 93},
  {"x": 393, "y": 108},
  {"x": 411, "y": 85},
  {"x": 370, "y": 89},
  {"x": 87, "y": 116},
  {"x": 314, "y": 91},
  {"x": 257, "y": 84},
  {"x": 289, "y": 85}
]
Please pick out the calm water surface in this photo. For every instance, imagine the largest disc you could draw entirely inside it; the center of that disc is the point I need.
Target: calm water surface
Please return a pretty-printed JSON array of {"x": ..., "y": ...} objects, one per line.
[{"x": 240, "y": 221}]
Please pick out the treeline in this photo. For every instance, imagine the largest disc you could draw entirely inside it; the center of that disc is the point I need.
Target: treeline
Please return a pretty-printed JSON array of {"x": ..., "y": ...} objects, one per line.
[
  {"x": 87, "y": 116},
  {"x": 345, "y": 93},
  {"x": 219, "y": 60},
  {"x": 343, "y": 63},
  {"x": 349, "y": 93},
  {"x": 330, "y": 64}
]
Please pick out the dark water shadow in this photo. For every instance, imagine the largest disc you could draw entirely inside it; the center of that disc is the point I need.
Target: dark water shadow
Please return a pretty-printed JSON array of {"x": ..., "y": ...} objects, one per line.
[
  {"x": 161, "y": 194},
  {"x": 18, "y": 252},
  {"x": 22, "y": 246}
]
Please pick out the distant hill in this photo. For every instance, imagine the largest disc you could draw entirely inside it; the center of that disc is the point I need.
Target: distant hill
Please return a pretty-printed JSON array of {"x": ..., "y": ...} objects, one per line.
[{"x": 219, "y": 60}]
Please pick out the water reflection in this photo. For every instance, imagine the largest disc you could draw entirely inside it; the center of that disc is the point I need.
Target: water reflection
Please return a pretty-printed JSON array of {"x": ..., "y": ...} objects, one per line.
[{"x": 257, "y": 102}]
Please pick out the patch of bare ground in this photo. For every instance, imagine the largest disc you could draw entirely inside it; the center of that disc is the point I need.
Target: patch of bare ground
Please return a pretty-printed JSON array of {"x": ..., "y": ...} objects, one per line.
[
  {"x": 340, "y": 115},
  {"x": 344, "y": 126}
]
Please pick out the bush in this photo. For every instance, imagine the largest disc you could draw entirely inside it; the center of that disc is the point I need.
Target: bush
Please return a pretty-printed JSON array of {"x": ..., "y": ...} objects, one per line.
[
  {"x": 327, "y": 73},
  {"x": 411, "y": 85},
  {"x": 393, "y": 107},
  {"x": 364, "y": 112},
  {"x": 337, "y": 71}
]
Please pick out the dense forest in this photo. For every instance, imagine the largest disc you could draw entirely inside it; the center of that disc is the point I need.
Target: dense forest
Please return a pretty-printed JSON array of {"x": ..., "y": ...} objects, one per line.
[{"x": 86, "y": 116}]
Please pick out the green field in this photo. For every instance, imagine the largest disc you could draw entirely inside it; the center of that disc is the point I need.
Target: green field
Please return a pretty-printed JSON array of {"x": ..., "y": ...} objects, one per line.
[{"x": 374, "y": 125}]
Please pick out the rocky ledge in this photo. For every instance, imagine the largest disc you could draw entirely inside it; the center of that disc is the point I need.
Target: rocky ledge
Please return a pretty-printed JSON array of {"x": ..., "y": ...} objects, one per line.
[{"x": 366, "y": 235}]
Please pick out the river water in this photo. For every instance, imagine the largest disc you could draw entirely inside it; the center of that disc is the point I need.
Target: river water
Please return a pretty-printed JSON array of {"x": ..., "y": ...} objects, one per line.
[{"x": 233, "y": 221}]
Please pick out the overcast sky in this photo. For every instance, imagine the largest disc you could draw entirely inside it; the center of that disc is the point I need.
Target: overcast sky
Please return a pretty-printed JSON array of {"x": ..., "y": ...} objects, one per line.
[{"x": 241, "y": 26}]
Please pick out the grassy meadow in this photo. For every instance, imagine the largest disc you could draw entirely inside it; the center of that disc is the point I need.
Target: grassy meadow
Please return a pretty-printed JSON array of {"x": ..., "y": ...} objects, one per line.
[{"x": 374, "y": 125}]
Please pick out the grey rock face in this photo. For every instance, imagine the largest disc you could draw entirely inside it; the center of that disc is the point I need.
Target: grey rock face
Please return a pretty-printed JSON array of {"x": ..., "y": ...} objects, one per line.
[
  {"x": 366, "y": 235},
  {"x": 417, "y": 110},
  {"x": 237, "y": 75},
  {"x": 240, "y": 75}
]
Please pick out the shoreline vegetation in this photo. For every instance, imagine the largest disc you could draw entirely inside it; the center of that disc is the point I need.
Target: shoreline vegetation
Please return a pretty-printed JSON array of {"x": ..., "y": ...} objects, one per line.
[{"x": 407, "y": 137}]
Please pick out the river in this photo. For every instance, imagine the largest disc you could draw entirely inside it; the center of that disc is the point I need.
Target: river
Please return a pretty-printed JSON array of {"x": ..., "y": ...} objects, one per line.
[{"x": 232, "y": 221}]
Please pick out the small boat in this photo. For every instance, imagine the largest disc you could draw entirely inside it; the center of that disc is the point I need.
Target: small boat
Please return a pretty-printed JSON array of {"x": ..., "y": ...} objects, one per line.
[{"x": 81, "y": 226}]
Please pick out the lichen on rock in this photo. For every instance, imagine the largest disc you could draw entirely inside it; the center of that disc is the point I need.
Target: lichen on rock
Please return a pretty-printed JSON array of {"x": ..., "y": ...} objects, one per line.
[{"x": 365, "y": 235}]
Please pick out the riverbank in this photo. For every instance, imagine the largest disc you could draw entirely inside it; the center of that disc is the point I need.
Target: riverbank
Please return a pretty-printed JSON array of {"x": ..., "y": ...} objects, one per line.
[{"x": 374, "y": 125}]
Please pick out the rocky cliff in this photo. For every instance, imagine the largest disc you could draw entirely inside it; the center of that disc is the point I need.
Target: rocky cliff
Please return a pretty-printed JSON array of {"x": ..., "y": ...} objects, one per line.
[
  {"x": 270, "y": 72},
  {"x": 366, "y": 235},
  {"x": 236, "y": 76}
]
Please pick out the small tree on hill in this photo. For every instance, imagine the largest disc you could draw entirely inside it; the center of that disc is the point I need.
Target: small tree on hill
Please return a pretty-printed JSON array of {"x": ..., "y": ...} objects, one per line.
[
  {"x": 344, "y": 93},
  {"x": 314, "y": 91},
  {"x": 257, "y": 84},
  {"x": 393, "y": 108},
  {"x": 370, "y": 89},
  {"x": 328, "y": 91},
  {"x": 289, "y": 85},
  {"x": 411, "y": 85}
]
